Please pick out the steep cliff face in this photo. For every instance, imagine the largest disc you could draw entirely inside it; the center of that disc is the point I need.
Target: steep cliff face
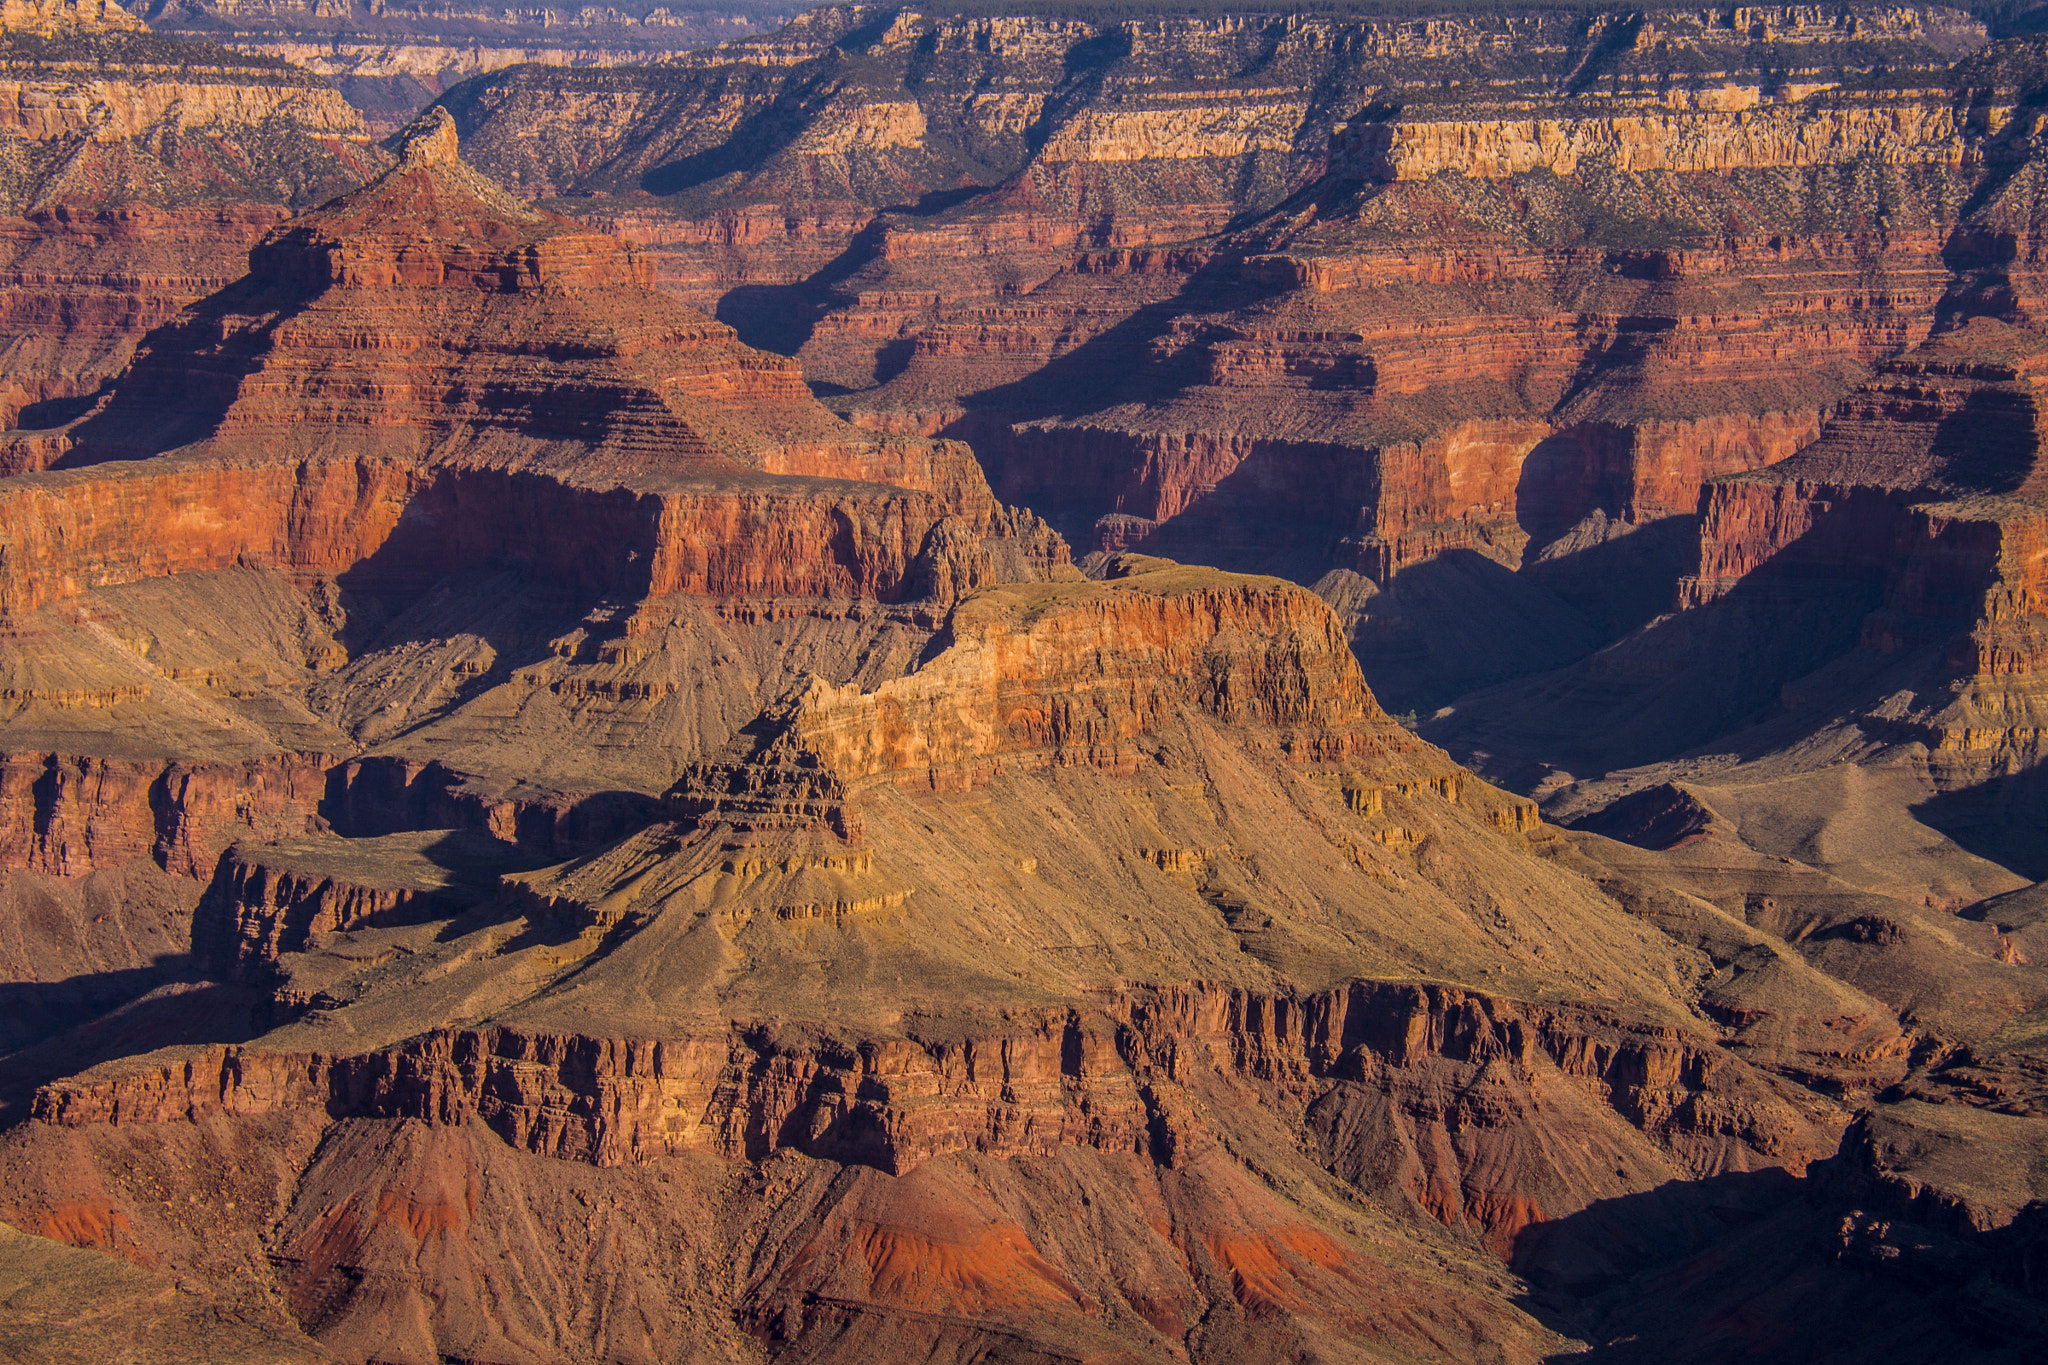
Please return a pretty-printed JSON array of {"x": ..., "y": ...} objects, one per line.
[
  {"x": 67, "y": 814},
  {"x": 135, "y": 172},
  {"x": 1096, "y": 877},
  {"x": 529, "y": 408},
  {"x": 1091, "y": 670},
  {"x": 1634, "y": 226},
  {"x": 609, "y": 855},
  {"x": 1257, "y": 96},
  {"x": 1661, "y": 249},
  {"x": 390, "y": 60},
  {"x": 1929, "y": 486},
  {"x": 277, "y": 897},
  {"x": 698, "y": 466}
]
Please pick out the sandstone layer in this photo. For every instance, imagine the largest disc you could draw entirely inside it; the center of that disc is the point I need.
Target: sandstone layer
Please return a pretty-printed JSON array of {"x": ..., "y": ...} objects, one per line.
[
  {"x": 1124, "y": 881},
  {"x": 529, "y": 839},
  {"x": 390, "y": 60},
  {"x": 135, "y": 172},
  {"x": 1168, "y": 276},
  {"x": 1490, "y": 314}
]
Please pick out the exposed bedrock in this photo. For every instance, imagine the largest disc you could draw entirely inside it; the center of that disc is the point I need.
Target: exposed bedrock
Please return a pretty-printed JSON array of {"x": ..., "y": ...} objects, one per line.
[
  {"x": 139, "y": 171},
  {"x": 1067, "y": 675},
  {"x": 456, "y": 438},
  {"x": 276, "y": 897},
  {"x": 1414, "y": 1091},
  {"x": 1497, "y": 486},
  {"x": 1243, "y": 107},
  {"x": 81, "y": 286},
  {"x": 1109, "y": 369},
  {"x": 67, "y": 814},
  {"x": 675, "y": 869},
  {"x": 1927, "y": 486},
  {"x": 388, "y": 63},
  {"x": 397, "y": 526},
  {"x": 421, "y": 381},
  {"x": 1095, "y": 666}
]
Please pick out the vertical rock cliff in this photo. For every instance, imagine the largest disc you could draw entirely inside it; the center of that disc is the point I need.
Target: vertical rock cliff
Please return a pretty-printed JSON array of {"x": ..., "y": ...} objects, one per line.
[
  {"x": 527, "y": 836},
  {"x": 137, "y": 172}
]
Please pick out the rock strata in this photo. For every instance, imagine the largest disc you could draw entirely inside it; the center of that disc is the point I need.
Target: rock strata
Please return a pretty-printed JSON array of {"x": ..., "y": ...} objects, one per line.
[
  {"x": 530, "y": 838},
  {"x": 138, "y": 171}
]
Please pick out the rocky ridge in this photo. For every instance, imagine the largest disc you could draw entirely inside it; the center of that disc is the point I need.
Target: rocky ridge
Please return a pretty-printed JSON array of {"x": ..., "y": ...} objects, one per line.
[
  {"x": 911, "y": 1062},
  {"x": 135, "y": 172},
  {"x": 1021, "y": 287},
  {"x": 390, "y": 60},
  {"x": 1704, "y": 236},
  {"x": 745, "y": 832}
]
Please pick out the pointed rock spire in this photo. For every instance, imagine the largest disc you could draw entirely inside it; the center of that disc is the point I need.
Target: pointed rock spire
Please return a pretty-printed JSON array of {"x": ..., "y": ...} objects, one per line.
[{"x": 429, "y": 140}]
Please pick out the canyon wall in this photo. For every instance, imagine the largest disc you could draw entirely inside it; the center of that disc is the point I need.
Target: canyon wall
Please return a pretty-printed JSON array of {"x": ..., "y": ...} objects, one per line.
[
  {"x": 139, "y": 170},
  {"x": 1062, "y": 1080},
  {"x": 1662, "y": 250},
  {"x": 981, "y": 262},
  {"x": 390, "y": 60},
  {"x": 1928, "y": 484}
]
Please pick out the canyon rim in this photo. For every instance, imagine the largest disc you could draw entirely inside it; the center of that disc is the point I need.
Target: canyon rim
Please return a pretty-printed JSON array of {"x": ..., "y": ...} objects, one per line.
[{"x": 1023, "y": 683}]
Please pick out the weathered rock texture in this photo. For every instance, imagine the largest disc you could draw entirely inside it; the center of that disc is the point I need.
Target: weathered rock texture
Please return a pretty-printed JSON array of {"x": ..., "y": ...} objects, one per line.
[
  {"x": 1474, "y": 324},
  {"x": 1322, "y": 295},
  {"x": 135, "y": 171},
  {"x": 576, "y": 853},
  {"x": 290, "y": 445},
  {"x": 390, "y": 60},
  {"x": 1125, "y": 881},
  {"x": 526, "y": 406}
]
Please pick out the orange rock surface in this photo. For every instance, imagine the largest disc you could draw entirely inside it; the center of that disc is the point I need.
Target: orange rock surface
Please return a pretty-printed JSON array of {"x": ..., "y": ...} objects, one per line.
[{"x": 527, "y": 837}]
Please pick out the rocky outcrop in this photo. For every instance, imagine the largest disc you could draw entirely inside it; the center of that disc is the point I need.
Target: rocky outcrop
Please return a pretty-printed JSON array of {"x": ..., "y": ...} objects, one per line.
[
  {"x": 1062, "y": 675},
  {"x": 1928, "y": 485},
  {"x": 529, "y": 405},
  {"x": 1075, "y": 673},
  {"x": 388, "y": 62},
  {"x": 1418, "y": 143},
  {"x": 138, "y": 171},
  {"x": 1349, "y": 1060},
  {"x": 267, "y": 899},
  {"x": 1010, "y": 963},
  {"x": 79, "y": 288},
  {"x": 385, "y": 795},
  {"x": 1018, "y": 90},
  {"x": 687, "y": 463},
  {"x": 60, "y": 18},
  {"x": 67, "y": 814},
  {"x": 73, "y": 530},
  {"x": 1149, "y": 382}
]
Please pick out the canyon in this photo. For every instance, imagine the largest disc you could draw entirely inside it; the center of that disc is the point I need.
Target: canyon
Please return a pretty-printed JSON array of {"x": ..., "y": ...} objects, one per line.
[
  {"x": 1035, "y": 685},
  {"x": 388, "y": 60},
  {"x": 138, "y": 172},
  {"x": 1489, "y": 337}
]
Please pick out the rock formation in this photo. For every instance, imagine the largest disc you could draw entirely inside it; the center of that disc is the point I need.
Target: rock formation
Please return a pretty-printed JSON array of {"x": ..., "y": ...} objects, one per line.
[
  {"x": 527, "y": 837},
  {"x": 1095, "y": 881},
  {"x": 1462, "y": 337},
  {"x": 390, "y": 60},
  {"x": 137, "y": 172},
  {"x": 1171, "y": 305}
]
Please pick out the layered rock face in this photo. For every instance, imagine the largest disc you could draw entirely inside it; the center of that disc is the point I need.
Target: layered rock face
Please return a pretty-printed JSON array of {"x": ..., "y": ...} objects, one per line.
[
  {"x": 1539, "y": 279},
  {"x": 389, "y": 60},
  {"x": 1096, "y": 877},
  {"x": 694, "y": 461},
  {"x": 526, "y": 406},
  {"x": 138, "y": 171},
  {"x": 1929, "y": 486},
  {"x": 531, "y": 839},
  {"x": 1539, "y": 284}
]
